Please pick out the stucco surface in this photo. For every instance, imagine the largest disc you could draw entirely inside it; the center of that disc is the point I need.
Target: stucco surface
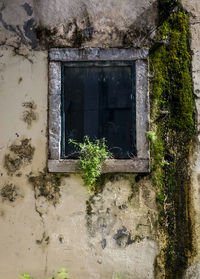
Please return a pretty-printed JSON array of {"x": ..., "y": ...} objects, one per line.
[
  {"x": 103, "y": 12},
  {"x": 193, "y": 272},
  {"x": 21, "y": 82},
  {"x": 48, "y": 222}
]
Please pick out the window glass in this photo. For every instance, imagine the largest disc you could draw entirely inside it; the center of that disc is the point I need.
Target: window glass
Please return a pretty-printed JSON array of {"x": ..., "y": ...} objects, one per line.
[{"x": 98, "y": 100}]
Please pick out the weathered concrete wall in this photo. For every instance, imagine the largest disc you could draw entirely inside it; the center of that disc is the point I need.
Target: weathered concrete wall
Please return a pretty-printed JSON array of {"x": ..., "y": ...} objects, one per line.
[
  {"x": 112, "y": 23},
  {"x": 48, "y": 222},
  {"x": 193, "y": 7}
]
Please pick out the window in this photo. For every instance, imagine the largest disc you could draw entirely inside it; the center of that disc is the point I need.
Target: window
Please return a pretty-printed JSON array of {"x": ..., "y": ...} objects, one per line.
[
  {"x": 98, "y": 100},
  {"x": 102, "y": 93}
]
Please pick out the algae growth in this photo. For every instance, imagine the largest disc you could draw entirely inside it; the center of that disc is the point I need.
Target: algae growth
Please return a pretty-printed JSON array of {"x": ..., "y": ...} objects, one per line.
[{"x": 172, "y": 125}]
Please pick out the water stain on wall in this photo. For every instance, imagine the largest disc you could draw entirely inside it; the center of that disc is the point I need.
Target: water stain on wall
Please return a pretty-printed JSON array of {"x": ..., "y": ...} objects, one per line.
[
  {"x": 123, "y": 213},
  {"x": 73, "y": 34}
]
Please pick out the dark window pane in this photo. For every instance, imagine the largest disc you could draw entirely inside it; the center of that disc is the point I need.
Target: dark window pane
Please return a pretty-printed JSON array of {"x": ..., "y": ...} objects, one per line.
[{"x": 98, "y": 101}]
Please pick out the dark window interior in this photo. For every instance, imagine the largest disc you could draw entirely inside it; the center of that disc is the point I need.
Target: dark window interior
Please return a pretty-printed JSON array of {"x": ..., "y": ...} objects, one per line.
[{"x": 98, "y": 100}]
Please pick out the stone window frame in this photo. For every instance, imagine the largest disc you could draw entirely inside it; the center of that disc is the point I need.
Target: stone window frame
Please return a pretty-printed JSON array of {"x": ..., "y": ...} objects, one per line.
[{"x": 138, "y": 164}]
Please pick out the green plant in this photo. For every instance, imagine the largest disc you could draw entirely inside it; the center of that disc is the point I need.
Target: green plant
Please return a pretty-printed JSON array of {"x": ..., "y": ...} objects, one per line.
[
  {"x": 61, "y": 274},
  {"x": 91, "y": 155},
  {"x": 157, "y": 145},
  {"x": 26, "y": 276}
]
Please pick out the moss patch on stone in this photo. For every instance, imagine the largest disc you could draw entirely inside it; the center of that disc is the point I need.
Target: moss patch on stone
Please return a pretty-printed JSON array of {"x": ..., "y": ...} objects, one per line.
[{"x": 172, "y": 114}]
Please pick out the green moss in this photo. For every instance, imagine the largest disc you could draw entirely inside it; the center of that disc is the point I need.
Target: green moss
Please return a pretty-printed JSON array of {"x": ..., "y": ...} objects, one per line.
[
  {"x": 172, "y": 114},
  {"x": 172, "y": 83}
]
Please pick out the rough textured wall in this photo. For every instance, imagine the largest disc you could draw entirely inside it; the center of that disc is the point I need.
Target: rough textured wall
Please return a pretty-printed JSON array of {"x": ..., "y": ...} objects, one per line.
[
  {"x": 95, "y": 23},
  {"x": 78, "y": 23},
  {"x": 48, "y": 221}
]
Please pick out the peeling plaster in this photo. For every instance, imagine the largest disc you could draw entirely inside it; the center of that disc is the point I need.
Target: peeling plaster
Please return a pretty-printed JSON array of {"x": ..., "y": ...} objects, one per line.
[{"x": 28, "y": 9}]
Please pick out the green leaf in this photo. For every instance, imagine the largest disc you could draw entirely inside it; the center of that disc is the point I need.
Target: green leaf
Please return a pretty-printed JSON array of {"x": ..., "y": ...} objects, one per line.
[{"x": 91, "y": 155}]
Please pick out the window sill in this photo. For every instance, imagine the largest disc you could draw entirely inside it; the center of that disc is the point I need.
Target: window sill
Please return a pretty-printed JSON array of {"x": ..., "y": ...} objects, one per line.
[{"x": 135, "y": 165}]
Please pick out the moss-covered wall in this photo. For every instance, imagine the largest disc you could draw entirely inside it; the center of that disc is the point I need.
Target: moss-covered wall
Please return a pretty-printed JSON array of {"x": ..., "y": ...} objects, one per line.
[{"x": 172, "y": 136}]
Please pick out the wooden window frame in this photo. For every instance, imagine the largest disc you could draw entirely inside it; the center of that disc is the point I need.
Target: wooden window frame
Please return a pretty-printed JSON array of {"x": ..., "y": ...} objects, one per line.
[{"x": 141, "y": 162}]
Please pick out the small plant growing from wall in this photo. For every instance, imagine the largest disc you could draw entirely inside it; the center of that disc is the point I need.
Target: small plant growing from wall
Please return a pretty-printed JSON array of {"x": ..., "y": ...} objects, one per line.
[
  {"x": 26, "y": 276},
  {"x": 91, "y": 156},
  {"x": 61, "y": 274}
]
